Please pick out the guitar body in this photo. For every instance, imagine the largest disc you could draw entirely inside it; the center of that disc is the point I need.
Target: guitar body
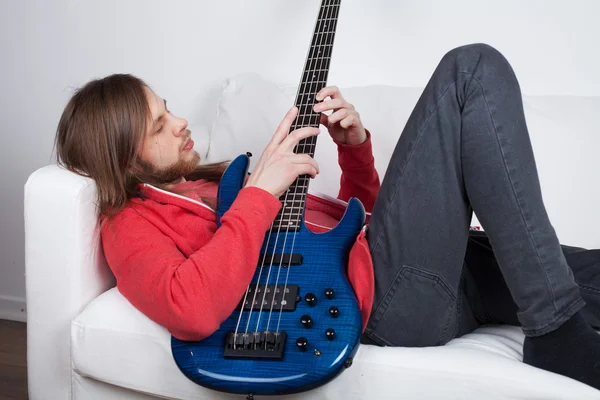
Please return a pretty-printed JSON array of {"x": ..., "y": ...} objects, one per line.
[{"x": 300, "y": 366}]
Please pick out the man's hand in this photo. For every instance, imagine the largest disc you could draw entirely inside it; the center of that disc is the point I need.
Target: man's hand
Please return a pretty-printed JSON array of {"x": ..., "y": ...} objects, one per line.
[
  {"x": 344, "y": 123},
  {"x": 278, "y": 165}
]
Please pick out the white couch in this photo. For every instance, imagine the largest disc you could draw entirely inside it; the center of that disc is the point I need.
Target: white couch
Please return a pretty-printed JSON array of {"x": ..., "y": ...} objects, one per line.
[{"x": 85, "y": 341}]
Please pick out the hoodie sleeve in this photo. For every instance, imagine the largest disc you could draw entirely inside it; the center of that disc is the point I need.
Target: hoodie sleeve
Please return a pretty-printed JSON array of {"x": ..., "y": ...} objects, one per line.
[
  {"x": 192, "y": 296},
  {"x": 359, "y": 177}
]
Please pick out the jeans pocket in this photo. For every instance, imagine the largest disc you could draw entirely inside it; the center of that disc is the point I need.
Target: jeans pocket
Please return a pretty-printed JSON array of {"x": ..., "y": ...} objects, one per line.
[{"x": 418, "y": 310}]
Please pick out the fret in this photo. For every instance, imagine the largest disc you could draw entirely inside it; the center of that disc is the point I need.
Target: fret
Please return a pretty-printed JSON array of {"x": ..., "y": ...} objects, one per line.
[
  {"x": 319, "y": 81},
  {"x": 317, "y": 59},
  {"x": 293, "y": 218},
  {"x": 321, "y": 41},
  {"x": 293, "y": 196},
  {"x": 291, "y": 205},
  {"x": 293, "y": 208},
  {"x": 307, "y": 106},
  {"x": 289, "y": 192},
  {"x": 306, "y": 120},
  {"x": 320, "y": 54},
  {"x": 287, "y": 222},
  {"x": 305, "y": 150},
  {"x": 288, "y": 212},
  {"x": 312, "y": 122},
  {"x": 304, "y": 124},
  {"x": 314, "y": 73},
  {"x": 310, "y": 87},
  {"x": 290, "y": 202},
  {"x": 307, "y": 115},
  {"x": 307, "y": 99},
  {"x": 297, "y": 210},
  {"x": 291, "y": 227}
]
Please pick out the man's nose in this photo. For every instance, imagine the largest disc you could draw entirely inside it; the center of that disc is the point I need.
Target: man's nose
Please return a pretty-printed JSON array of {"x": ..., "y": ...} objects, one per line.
[{"x": 182, "y": 125}]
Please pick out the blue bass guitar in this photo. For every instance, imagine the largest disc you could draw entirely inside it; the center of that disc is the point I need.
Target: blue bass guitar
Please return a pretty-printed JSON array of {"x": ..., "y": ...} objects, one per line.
[{"x": 298, "y": 325}]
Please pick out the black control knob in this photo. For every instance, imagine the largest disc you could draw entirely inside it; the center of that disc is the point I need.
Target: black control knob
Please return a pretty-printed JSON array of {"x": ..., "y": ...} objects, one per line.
[
  {"x": 302, "y": 343},
  {"x": 330, "y": 333},
  {"x": 310, "y": 299},
  {"x": 334, "y": 312},
  {"x": 329, "y": 293},
  {"x": 306, "y": 321}
]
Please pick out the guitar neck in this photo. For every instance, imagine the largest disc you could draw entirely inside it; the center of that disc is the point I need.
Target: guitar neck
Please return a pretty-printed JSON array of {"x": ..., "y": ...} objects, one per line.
[{"x": 313, "y": 79}]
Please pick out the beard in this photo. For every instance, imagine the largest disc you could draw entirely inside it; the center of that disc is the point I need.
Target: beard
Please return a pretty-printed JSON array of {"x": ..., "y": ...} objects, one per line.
[{"x": 153, "y": 175}]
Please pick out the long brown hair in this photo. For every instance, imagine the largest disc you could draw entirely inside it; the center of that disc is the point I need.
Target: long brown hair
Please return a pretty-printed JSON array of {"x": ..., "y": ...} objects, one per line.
[{"x": 100, "y": 134}]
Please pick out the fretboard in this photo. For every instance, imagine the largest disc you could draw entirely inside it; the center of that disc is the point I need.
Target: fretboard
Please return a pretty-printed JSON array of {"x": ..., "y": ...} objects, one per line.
[{"x": 313, "y": 79}]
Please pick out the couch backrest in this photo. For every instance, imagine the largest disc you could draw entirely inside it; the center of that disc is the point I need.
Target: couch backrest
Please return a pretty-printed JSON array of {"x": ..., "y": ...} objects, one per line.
[{"x": 564, "y": 132}]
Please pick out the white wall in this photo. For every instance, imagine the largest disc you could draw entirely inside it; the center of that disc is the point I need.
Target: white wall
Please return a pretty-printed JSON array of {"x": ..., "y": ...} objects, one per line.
[{"x": 185, "y": 48}]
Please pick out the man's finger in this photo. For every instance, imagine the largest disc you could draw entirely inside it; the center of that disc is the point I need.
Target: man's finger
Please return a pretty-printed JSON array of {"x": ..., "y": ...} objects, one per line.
[
  {"x": 284, "y": 126},
  {"x": 334, "y": 104},
  {"x": 332, "y": 91},
  {"x": 293, "y": 138}
]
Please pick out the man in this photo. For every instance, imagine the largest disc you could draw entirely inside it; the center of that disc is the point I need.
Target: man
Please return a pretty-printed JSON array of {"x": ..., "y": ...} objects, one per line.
[{"x": 419, "y": 276}]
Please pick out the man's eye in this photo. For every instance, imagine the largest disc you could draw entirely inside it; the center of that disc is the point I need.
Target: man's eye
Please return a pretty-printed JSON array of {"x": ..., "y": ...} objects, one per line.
[{"x": 159, "y": 129}]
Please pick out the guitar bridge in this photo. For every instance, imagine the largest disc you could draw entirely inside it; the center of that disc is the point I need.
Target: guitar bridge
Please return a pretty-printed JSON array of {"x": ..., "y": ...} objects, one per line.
[{"x": 265, "y": 345}]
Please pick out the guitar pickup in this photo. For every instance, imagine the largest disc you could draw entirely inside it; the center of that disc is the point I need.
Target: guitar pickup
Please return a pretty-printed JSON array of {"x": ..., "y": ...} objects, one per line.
[
  {"x": 274, "y": 296},
  {"x": 281, "y": 259}
]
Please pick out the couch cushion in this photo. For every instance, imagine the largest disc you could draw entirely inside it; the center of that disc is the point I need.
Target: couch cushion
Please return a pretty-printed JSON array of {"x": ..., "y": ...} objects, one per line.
[{"x": 113, "y": 342}]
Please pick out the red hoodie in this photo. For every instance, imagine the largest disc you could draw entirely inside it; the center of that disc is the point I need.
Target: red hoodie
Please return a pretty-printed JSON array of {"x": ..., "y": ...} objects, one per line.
[{"x": 174, "y": 265}]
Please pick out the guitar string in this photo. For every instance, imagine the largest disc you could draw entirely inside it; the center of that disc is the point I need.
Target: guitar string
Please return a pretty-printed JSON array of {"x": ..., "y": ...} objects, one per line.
[
  {"x": 313, "y": 91},
  {"x": 254, "y": 296},
  {"x": 301, "y": 116},
  {"x": 294, "y": 126}
]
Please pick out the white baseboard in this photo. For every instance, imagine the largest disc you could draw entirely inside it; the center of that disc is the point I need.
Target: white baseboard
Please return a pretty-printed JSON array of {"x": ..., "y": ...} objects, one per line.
[{"x": 13, "y": 308}]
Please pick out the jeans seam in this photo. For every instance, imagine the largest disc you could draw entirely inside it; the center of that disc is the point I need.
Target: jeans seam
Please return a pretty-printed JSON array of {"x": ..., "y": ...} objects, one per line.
[
  {"x": 376, "y": 338},
  {"x": 374, "y": 320},
  {"x": 533, "y": 331},
  {"x": 589, "y": 289},
  {"x": 516, "y": 197},
  {"x": 408, "y": 159},
  {"x": 433, "y": 277}
]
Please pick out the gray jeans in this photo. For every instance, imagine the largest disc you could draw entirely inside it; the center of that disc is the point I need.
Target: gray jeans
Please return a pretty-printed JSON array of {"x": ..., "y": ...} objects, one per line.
[{"x": 466, "y": 148}]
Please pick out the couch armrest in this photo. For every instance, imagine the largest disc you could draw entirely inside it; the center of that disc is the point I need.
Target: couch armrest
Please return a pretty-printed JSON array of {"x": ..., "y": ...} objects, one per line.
[{"x": 65, "y": 269}]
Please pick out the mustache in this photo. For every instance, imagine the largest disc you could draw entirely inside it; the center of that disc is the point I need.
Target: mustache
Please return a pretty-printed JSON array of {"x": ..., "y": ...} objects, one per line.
[{"x": 186, "y": 136}]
